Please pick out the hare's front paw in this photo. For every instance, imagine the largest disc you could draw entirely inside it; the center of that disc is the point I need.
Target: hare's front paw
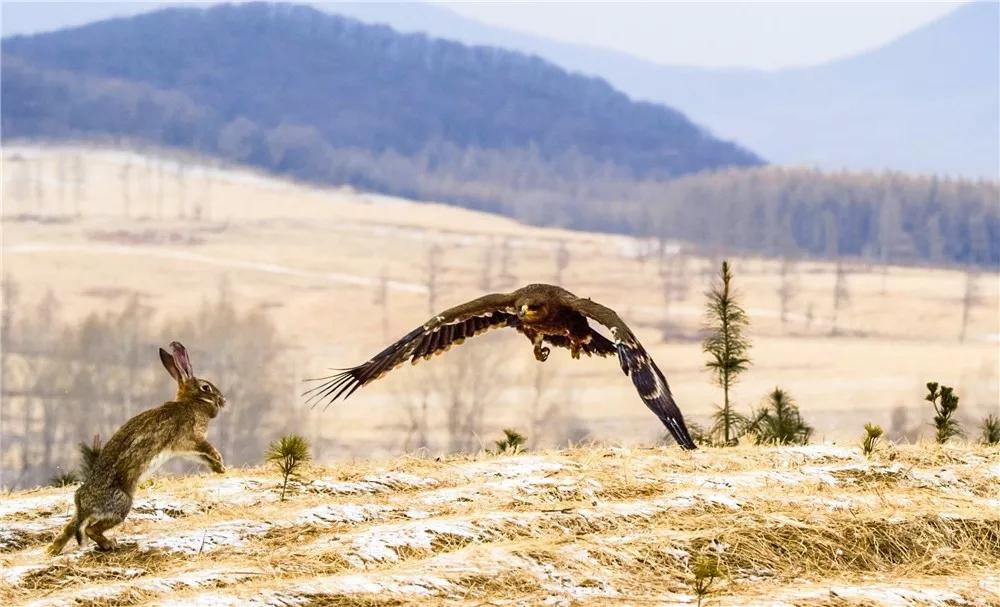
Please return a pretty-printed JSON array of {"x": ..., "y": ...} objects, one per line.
[{"x": 219, "y": 468}]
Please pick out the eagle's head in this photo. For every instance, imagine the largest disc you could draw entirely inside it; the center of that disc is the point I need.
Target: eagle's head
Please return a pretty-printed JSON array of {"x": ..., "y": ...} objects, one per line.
[{"x": 532, "y": 310}]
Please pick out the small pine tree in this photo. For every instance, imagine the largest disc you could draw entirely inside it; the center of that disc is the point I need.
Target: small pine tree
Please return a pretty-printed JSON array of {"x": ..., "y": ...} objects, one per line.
[
  {"x": 512, "y": 442},
  {"x": 780, "y": 422},
  {"x": 873, "y": 433},
  {"x": 706, "y": 569},
  {"x": 945, "y": 404},
  {"x": 289, "y": 454},
  {"x": 64, "y": 479},
  {"x": 727, "y": 347},
  {"x": 991, "y": 430}
]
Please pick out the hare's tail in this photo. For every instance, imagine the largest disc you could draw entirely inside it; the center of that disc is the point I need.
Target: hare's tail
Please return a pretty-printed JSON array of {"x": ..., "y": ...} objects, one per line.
[
  {"x": 81, "y": 526},
  {"x": 72, "y": 528}
]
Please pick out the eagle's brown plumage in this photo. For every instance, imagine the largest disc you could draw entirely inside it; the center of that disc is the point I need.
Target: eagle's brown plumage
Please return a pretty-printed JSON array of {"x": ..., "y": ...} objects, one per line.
[{"x": 546, "y": 314}]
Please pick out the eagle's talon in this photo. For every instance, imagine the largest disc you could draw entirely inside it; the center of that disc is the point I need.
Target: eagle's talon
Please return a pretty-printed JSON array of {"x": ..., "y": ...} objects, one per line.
[{"x": 542, "y": 354}]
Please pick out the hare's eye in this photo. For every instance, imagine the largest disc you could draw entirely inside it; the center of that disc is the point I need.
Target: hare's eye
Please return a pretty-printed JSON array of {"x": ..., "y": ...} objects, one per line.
[{"x": 206, "y": 388}]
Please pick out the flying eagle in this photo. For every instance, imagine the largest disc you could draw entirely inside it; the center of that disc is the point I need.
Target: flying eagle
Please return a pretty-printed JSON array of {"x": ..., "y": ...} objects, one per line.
[{"x": 545, "y": 314}]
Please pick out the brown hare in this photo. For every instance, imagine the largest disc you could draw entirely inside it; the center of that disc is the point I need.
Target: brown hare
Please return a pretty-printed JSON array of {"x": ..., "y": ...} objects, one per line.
[{"x": 147, "y": 440}]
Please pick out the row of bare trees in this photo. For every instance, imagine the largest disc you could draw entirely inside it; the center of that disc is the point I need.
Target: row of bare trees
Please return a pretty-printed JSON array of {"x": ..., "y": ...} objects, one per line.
[{"x": 57, "y": 184}]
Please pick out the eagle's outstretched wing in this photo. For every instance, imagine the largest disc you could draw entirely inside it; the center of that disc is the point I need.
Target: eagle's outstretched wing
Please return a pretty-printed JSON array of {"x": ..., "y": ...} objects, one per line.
[
  {"x": 448, "y": 328},
  {"x": 637, "y": 364}
]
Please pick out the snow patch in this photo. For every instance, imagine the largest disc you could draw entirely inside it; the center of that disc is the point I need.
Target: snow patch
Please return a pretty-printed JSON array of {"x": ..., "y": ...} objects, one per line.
[
  {"x": 898, "y": 597},
  {"x": 231, "y": 533}
]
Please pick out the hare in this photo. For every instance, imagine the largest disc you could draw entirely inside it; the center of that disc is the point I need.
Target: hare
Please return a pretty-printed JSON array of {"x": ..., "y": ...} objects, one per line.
[{"x": 175, "y": 428}]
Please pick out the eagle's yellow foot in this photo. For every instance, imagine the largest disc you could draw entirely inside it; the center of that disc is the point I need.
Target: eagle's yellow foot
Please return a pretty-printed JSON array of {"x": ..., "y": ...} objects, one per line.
[{"x": 541, "y": 353}]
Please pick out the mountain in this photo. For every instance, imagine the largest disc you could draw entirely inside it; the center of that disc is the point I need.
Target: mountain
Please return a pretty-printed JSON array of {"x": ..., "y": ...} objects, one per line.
[
  {"x": 927, "y": 102},
  {"x": 287, "y": 87}
]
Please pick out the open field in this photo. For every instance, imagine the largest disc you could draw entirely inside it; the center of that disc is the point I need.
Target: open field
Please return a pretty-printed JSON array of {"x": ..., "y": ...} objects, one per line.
[
  {"x": 94, "y": 227},
  {"x": 805, "y": 526}
]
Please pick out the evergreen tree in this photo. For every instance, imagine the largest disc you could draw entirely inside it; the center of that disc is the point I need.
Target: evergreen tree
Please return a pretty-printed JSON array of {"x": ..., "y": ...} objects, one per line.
[
  {"x": 727, "y": 348},
  {"x": 991, "y": 430},
  {"x": 945, "y": 404},
  {"x": 779, "y": 422},
  {"x": 289, "y": 454}
]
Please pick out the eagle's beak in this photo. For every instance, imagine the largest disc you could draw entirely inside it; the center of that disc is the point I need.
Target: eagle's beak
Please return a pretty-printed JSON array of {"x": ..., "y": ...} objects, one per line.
[{"x": 523, "y": 311}]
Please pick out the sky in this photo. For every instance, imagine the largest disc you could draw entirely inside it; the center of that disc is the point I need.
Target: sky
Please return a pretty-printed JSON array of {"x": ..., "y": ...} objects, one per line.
[{"x": 763, "y": 35}]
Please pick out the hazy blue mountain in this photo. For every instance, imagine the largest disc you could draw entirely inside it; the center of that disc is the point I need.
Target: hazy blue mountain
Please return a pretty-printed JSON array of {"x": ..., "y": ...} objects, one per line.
[
  {"x": 926, "y": 102},
  {"x": 327, "y": 82}
]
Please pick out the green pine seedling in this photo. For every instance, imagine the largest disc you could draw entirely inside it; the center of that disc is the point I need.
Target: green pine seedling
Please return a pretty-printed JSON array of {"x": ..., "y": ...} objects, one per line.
[
  {"x": 991, "y": 430},
  {"x": 289, "y": 454},
  {"x": 873, "y": 433},
  {"x": 512, "y": 442},
  {"x": 945, "y": 404}
]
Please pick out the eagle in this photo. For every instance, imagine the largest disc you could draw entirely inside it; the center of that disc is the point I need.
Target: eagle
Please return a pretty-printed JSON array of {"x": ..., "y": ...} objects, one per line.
[{"x": 548, "y": 316}]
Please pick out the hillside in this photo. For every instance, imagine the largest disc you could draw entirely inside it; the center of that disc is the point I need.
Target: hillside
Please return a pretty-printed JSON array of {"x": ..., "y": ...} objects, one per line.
[
  {"x": 286, "y": 87},
  {"x": 811, "y": 527},
  {"x": 327, "y": 277},
  {"x": 926, "y": 102}
]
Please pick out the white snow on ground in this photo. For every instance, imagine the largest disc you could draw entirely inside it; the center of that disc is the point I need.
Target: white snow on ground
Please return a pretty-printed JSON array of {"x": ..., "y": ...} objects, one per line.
[
  {"x": 34, "y": 504},
  {"x": 236, "y": 490},
  {"x": 230, "y": 533},
  {"x": 898, "y": 597},
  {"x": 343, "y": 513}
]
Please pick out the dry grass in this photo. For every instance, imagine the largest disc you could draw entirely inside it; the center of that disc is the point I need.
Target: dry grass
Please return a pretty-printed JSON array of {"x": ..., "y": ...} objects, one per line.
[{"x": 590, "y": 526}]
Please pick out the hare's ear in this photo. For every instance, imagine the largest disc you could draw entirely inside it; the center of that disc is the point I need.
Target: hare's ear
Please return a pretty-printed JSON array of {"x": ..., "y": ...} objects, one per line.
[
  {"x": 181, "y": 359},
  {"x": 168, "y": 362}
]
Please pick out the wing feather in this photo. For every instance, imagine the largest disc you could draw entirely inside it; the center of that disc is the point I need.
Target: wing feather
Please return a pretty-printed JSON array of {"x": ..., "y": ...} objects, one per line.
[
  {"x": 639, "y": 366},
  {"x": 433, "y": 337}
]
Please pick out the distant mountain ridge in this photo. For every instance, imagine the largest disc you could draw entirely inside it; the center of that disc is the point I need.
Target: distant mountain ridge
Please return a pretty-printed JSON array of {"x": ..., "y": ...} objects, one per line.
[
  {"x": 284, "y": 86},
  {"x": 926, "y": 102}
]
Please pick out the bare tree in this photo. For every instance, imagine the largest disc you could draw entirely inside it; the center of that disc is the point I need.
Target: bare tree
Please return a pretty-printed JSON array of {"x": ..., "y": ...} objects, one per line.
[
  {"x": 562, "y": 261},
  {"x": 841, "y": 295},
  {"x": 969, "y": 299},
  {"x": 486, "y": 275},
  {"x": 179, "y": 179},
  {"x": 79, "y": 171},
  {"x": 545, "y": 410},
  {"x": 433, "y": 277},
  {"x": 788, "y": 287},
  {"x": 382, "y": 300},
  {"x": 468, "y": 386},
  {"x": 506, "y": 276},
  {"x": 674, "y": 284},
  {"x": 124, "y": 175}
]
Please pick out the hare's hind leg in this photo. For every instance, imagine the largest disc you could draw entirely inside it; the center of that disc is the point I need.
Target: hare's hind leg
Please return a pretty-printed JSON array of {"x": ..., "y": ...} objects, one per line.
[
  {"x": 95, "y": 531},
  {"x": 119, "y": 505},
  {"x": 59, "y": 543}
]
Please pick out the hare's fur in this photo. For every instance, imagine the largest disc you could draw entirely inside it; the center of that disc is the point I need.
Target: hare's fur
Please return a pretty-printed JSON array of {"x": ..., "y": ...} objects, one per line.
[{"x": 175, "y": 428}]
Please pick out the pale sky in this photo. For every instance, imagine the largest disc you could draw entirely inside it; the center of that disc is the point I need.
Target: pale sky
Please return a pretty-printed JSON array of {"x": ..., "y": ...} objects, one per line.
[{"x": 718, "y": 34}]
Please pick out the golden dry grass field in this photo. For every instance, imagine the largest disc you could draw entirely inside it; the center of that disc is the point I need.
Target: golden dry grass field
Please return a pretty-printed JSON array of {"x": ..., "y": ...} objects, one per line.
[
  {"x": 814, "y": 526},
  {"x": 95, "y": 226}
]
